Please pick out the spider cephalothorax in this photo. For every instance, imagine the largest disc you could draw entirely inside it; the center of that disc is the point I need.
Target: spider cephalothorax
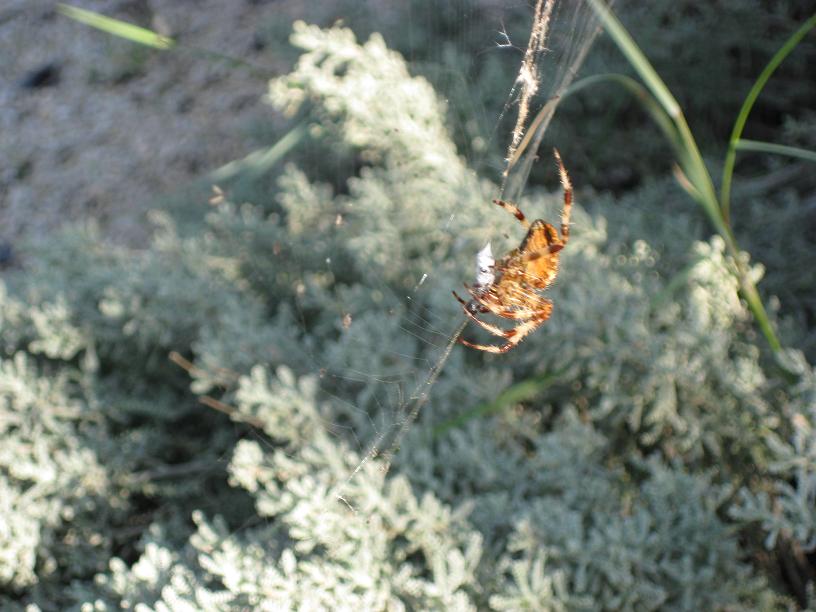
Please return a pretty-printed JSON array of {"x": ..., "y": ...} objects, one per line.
[{"x": 510, "y": 289}]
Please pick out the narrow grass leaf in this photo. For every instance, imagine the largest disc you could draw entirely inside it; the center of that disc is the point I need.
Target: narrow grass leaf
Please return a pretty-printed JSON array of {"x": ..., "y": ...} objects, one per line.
[
  {"x": 694, "y": 175},
  {"x": 748, "y": 104},
  {"x": 522, "y": 391},
  {"x": 118, "y": 28},
  {"x": 690, "y": 157},
  {"x": 770, "y": 147},
  {"x": 259, "y": 162},
  {"x": 642, "y": 95}
]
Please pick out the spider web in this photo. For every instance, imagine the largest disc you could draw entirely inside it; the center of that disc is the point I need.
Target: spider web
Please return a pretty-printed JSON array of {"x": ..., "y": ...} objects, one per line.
[{"x": 561, "y": 34}]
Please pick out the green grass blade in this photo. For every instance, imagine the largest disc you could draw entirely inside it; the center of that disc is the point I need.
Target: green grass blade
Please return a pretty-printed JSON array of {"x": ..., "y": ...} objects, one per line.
[
  {"x": 692, "y": 166},
  {"x": 642, "y": 95},
  {"x": 115, "y": 27},
  {"x": 757, "y": 308},
  {"x": 522, "y": 391},
  {"x": 690, "y": 158},
  {"x": 676, "y": 282},
  {"x": 635, "y": 56},
  {"x": 770, "y": 147},
  {"x": 259, "y": 162},
  {"x": 149, "y": 38},
  {"x": 748, "y": 104}
]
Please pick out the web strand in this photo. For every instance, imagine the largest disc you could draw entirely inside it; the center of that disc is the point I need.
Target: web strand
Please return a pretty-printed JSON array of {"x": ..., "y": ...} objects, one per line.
[
  {"x": 534, "y": 78},
  {"x": 392, "y": 437}
]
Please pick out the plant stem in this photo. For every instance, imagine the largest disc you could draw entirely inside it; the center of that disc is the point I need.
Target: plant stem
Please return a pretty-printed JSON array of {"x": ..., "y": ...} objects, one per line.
[
  {"x": 748, "y": 104},
  {"x": 691, "y": 161}
]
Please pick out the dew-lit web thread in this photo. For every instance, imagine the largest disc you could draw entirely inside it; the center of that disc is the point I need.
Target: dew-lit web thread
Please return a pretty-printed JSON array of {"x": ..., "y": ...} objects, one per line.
[
  {"x": 527, "y": 79},
  {"x": 583, "y": 27},
  {"x": 392, "y": 436}
]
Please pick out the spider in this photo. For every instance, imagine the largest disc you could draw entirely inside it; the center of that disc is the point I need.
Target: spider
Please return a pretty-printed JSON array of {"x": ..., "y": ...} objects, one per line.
[{"x": 509, "y": 290}]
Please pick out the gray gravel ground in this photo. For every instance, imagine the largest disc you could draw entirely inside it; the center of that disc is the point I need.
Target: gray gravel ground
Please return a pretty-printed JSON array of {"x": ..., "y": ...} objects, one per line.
[{"x": 96, "y": 128}]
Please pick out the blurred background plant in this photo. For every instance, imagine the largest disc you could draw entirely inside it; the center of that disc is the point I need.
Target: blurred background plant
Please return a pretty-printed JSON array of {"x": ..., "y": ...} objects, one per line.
[{"x": 646, "y": 449}]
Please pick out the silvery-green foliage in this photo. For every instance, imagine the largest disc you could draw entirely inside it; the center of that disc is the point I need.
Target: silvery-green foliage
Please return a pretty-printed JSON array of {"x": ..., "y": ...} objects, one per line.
[
  {"x": 356, "y": 88},
  {"x": 397, "y": 549},
  {"x": 593, "y": 538},
  {"x": 609, "y": 491},
  {"x": 85, "y": 442},
  {"x": 163, "y": 579},
  {"x": 789, "y": 508},
  {"x": 132, "y": 307},
  {"x": 363, "y": 251},
  {"x": 51, "y": 482},
  {"x": 416, "y": 176},
  {"x": 678, "y": 370},
  {"x": 310, "y": 551}
]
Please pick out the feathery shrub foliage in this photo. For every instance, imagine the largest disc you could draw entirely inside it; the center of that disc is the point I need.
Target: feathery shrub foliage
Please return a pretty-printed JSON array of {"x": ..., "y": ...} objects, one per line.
[{"x": 669, "y": 452}]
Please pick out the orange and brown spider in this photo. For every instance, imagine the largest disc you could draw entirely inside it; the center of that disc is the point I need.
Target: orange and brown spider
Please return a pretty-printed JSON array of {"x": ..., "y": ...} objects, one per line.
[{"x": 510, "y": 289}]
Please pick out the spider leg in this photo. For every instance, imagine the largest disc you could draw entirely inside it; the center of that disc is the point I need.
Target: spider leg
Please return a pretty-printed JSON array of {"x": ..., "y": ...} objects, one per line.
[
  {"x": 542, "y": 307},
  {"x": 477, "y": 303},
  {"x": 520, "y": 303},
  {"x": 482, "y": 298},
  {"x": 514, "y": 336},
  {"x": 513, "y": 210},
  {"x": 471, "y": 304},
  {"x": 458, "y": 299},
  {"x": 488, "y": 301},
  {"x": 525, "y": 303},
  {"x": 566, "y": 184},
  {"x": 493, "y": 329},
  {"x": 487, "y": 348}
]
